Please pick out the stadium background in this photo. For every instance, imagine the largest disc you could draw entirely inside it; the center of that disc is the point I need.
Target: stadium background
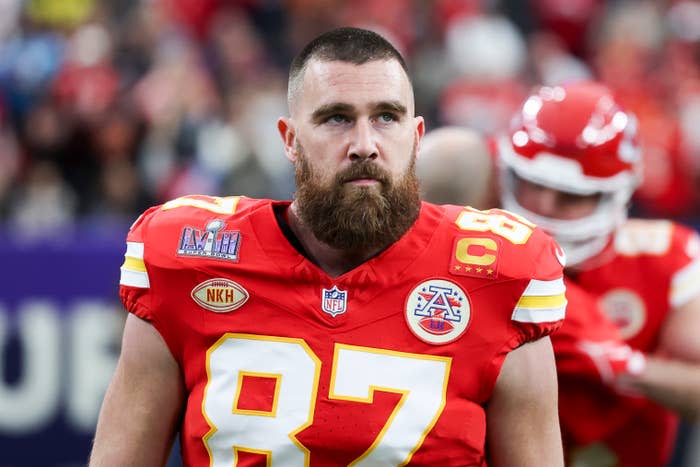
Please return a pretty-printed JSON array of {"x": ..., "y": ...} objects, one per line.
[{"x": 109, "y": 107}]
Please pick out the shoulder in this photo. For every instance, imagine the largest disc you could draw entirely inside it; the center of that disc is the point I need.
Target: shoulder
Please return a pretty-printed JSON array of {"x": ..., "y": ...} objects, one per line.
[
  {"x": 667, "y": 243},
  {"x": 192, "y": 209},
  {"x": 509, "y": 263},
  {"x": 204, "y": 226},
  {"x": 183, "y": 226},
  {"x": 638, "y": 237},
  {"x": 517, "y": 247},
  {"x": 197, "y": 212},
  {"x": 668, "y": 251}
]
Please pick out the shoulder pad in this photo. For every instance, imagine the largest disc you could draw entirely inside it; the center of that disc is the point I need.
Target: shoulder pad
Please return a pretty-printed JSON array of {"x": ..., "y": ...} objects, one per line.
[
  {"x": 521, "y": 249},
  {"x": 159, "y": 229}
]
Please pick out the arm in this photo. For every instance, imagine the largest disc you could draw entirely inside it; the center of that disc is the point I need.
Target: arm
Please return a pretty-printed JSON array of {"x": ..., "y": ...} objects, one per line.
[
  {"x": 522, "y": 419},
  {"x": 672, "y": 377},
  {"x": 142, "y": 408}
]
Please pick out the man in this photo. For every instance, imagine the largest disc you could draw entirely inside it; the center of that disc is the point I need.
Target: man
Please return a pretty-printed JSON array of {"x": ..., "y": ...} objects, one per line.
[
  {"x": 456, "y": 167},
  {"x": 571, "y": 164},
  {"x": 355, "y": 325}
]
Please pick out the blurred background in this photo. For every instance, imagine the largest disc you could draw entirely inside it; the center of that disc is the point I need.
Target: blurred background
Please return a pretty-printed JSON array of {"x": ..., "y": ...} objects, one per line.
[{"x": 108, "y": 107}]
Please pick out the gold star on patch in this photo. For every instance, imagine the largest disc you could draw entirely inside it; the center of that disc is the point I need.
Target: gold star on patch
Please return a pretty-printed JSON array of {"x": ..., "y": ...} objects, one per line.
[
  {"x": 457, "y": 267},
  {"x": 479, "y": 269},
  {"x": 489, "y": 271},
  {"x": 467, "y": 268}
]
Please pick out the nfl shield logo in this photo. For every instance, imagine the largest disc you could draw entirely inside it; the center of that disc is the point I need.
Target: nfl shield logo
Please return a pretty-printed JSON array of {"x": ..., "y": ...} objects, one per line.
[{"x": 334, "y": 301}]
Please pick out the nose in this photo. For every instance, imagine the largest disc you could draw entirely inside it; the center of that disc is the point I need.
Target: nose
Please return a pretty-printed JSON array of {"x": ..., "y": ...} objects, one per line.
[{"x": 363, "y": 144}]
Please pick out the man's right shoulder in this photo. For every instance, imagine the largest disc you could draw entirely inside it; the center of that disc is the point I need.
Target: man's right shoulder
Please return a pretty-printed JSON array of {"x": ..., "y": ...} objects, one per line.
[
  {"x": 192, "y": 210},
  {"x": 195, "y": 225}
]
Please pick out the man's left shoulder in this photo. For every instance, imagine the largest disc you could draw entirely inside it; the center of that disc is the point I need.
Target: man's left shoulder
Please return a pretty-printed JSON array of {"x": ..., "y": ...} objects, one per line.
[{"x": 518, "y": 246}]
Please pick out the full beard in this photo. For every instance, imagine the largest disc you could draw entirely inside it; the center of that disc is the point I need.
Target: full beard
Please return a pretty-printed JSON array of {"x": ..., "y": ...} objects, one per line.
[{"x": 357, "y": 218}]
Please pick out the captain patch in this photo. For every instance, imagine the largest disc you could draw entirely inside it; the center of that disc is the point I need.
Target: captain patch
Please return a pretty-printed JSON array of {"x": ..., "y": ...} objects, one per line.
[{"x": 476, "y": 257}]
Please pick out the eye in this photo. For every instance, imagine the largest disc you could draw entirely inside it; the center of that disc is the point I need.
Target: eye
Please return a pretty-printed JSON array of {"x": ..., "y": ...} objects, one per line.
[
  {"x": 387, "y": 117},
  {"x": 337, "y": 119}
]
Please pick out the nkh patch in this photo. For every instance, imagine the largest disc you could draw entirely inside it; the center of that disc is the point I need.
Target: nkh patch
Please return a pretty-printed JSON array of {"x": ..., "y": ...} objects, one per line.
[
  {"x": 437, "y": 311},
  {"x": 475, "y": 257},
  {"x": 334, "y": 301},
  {"x": 210, "y": 242},
  {"x": 220, "y": 295}
]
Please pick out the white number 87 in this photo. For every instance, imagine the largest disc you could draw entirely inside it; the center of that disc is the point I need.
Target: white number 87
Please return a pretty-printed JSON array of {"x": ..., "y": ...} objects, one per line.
[{"x": 357, "y": 372}]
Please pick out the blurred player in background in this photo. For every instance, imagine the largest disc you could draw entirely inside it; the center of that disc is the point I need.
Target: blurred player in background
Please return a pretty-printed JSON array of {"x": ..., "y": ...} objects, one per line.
[
  {"x": 354, "y": 325},
  {"x": 571, "y": 164},
  {"x": 455, "y": 166}
]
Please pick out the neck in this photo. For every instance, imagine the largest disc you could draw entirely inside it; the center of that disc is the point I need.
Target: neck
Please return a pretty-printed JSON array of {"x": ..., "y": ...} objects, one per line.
[{"x": 333, "y": 261}]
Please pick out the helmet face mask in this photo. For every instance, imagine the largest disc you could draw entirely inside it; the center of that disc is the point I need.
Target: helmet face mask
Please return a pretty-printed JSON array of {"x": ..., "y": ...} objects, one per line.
[{"x": 574, "y": 139}]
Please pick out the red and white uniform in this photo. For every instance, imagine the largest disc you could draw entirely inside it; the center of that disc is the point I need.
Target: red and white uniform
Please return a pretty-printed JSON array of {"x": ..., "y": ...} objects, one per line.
[
  {"x": 650, "y": 268},
  {"x": 391, "y": 363}
]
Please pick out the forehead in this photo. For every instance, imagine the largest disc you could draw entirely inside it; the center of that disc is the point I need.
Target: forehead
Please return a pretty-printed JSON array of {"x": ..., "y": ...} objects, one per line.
[{"x": 331, "y": 82}]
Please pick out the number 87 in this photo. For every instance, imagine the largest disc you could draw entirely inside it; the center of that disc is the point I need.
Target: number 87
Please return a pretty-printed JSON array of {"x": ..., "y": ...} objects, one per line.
[{"x": 356, "y": 373}]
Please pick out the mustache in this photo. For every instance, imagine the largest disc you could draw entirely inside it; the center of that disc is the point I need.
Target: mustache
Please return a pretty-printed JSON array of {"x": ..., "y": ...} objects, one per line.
[{"x": 363, "y": 169}]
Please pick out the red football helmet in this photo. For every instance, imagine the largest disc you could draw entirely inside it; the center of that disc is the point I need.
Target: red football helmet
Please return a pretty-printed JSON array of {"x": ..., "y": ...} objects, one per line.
[{"x": 577, "y": 139}]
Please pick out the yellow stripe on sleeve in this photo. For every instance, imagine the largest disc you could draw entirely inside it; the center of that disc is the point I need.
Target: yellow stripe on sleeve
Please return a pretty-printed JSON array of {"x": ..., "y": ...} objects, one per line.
[
  {"x": 134, "y": 264},
  {"x": 552, "y": 301}
]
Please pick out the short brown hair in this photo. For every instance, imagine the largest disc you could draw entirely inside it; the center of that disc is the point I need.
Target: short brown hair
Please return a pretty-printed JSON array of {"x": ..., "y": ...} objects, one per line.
[{"x": 352, "y": 45}]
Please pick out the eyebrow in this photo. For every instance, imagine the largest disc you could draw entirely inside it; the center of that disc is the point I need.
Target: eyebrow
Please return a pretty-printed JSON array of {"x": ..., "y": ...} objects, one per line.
[
  {"x": 391, "y": 106},
  {"x": 327, "y": 110}
]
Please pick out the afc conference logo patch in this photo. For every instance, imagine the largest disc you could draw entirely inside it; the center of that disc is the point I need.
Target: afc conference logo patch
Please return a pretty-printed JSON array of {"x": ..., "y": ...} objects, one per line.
[
  {"x": 212, "y": 242},
  {"x": 220, "y": 295},
  {"x": 626, "y": 310},
  {"x": 438, "y": 311},
  {"x": 475, "y": 257},
  {"x": 334, "y": 301}
]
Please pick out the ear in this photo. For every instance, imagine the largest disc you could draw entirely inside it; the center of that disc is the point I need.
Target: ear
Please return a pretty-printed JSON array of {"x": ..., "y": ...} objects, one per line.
[
  {"x": 420, "y": 131},
  {"x": 288, "y": 134}
]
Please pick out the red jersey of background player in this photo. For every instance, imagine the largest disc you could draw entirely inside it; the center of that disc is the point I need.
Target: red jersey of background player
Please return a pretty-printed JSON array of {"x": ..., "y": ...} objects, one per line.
[
  {"x": 391, "y": 363},
  {"x": 649, "y": 268}
]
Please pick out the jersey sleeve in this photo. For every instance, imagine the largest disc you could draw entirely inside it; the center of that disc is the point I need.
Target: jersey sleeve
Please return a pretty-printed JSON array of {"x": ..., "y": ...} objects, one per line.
[
  {"x": 134, "y": 283},
  {"x": 154, "y": 275},
  {"x": 529, "y": 264},
  {"x": 542, "y": 305},
  {"x": 590, "y": 354},
  {"x": 588, "y": 346},
  {"x": 685, "y": 280}
]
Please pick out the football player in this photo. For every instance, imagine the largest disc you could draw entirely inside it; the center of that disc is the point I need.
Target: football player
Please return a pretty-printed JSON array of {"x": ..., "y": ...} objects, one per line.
[
  {"x": 455, "y": 166},
  {"x": 571, "y": 164},
  {"x": 354, "y": 325}
]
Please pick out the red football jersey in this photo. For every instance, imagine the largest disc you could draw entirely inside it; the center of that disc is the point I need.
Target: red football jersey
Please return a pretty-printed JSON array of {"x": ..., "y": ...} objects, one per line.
[
  {"x": 649, "y": 268},
  {"x": 391, "y": 363}
]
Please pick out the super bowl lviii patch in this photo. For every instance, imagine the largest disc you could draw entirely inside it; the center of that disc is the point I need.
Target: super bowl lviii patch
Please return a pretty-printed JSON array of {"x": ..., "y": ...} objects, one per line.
[
  {"x": 210, "y": 242},
  {"x": 437, "y": 311}
]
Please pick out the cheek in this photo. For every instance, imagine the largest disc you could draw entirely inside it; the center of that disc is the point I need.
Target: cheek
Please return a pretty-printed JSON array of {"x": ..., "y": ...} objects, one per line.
[
  {"x": 403, "y": 152},
  {"x": 322, "y": 150}
]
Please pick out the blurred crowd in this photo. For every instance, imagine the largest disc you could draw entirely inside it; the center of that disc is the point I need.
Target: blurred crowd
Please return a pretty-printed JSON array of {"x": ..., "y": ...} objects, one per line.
[{"x": 107, "y": 107}]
